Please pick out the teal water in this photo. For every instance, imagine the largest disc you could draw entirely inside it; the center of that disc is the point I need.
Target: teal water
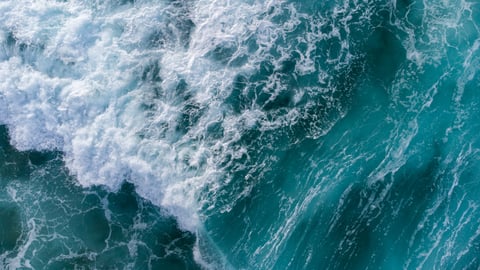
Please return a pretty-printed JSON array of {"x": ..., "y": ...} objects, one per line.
[
  {"x": 208, "y": 134},
  {"x": 48, "y": 222}
]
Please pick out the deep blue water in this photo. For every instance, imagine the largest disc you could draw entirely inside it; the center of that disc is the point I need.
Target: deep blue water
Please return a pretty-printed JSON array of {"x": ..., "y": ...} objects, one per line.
[{"x": 205, "y": 134}]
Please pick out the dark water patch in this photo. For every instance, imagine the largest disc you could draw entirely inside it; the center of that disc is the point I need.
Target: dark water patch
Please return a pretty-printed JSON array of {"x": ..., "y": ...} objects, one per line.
[
  {"x": 223, "y": 52},
  {"x": 265, "y": 69},
  {"x": 283, "y": 99},
  {"x": 180, "y": 22},
  {"x": 288, "y": 66},
  {"x": 15, "y": 47},
  {"x": 328, "y": 48},
  {"x": 189, "y": 116},
  {"x": 39, "y": 158},
  {"x": 123, "y": 204},
  {"x": 151, "y": 73},
  {"x": 251, "y": 45},
  {"x": 10, "y": 40},
  {"x": 151, "y": 80},
  {"x": 385, "y": 54},
  {"x": 186, "y": 27},
  {"x": 10, "y": 227},
  {"x": 92, "y": 227},
  {"x": 237, "y": 100},
  {"x": 156, "y": 39},
  {"x": 165, "y": 245},
  {"x": 239, "y": 60},
  {"x": 227, "y": 53},
  {"x": 190, "y": 112},
  {"x": 215, "y": 131},
  {"x": 182, "y": 91},
  {"x": 124, "y": 2},
  {"x": 13, "y": 164}
]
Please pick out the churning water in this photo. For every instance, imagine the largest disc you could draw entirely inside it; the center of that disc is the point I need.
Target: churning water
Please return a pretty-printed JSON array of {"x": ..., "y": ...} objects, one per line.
[{"x": 228, "y": 134}]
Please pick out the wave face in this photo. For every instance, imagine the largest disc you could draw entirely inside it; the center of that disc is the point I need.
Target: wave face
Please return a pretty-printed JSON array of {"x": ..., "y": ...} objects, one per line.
[{"x": 190, "y": 134}]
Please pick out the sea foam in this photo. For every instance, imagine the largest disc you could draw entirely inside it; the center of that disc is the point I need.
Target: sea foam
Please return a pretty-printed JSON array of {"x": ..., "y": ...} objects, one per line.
[{"x": 132, "y": 92}]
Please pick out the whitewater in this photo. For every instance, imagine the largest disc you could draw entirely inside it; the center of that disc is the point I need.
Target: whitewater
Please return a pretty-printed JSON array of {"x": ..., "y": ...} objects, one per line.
[{"x": 207, "y": 134}]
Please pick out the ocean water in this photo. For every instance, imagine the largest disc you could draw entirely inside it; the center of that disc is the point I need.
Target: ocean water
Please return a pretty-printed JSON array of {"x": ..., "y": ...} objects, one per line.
[{"x": 239, "y": 134}]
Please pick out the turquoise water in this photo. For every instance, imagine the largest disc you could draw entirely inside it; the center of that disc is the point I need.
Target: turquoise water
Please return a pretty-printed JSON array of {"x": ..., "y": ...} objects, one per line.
[{"x": 210, "y": 134}]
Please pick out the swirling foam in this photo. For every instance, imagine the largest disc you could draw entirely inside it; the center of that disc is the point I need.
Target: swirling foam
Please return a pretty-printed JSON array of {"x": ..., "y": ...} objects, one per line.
[{"x": 140, "y": 92}]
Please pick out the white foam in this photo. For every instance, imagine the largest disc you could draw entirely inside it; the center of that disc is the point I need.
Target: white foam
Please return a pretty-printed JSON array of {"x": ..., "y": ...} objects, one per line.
[
  {"x": 71, "y": 80},
  {"x": 102, "y": 84}
]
